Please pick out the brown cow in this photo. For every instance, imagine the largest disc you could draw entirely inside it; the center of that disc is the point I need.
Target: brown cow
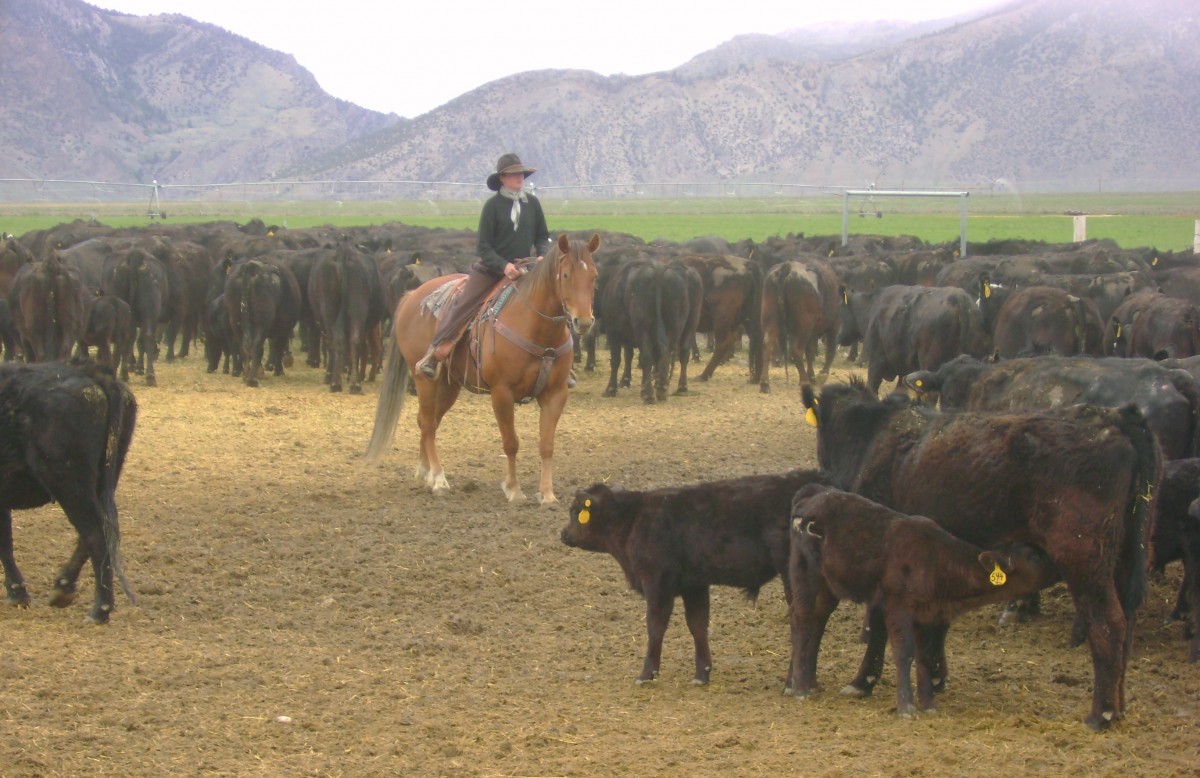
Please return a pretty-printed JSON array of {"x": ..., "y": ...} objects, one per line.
[
  {"x": 915, "y": 577},
  {"x": 799, "y": 309},
  {"x": 732, "y": 297},
  {"x": 1079, "y": 482}
]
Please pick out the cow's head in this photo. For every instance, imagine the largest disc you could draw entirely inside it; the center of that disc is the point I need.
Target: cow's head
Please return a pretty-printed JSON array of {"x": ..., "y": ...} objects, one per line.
[
  {"x": 590, "y": 520},
  {"x": 1019, "y": 568}
]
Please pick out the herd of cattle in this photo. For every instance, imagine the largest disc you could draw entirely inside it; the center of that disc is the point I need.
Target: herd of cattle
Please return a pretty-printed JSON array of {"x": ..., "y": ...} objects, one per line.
[{"x": 1066, "y": 446}]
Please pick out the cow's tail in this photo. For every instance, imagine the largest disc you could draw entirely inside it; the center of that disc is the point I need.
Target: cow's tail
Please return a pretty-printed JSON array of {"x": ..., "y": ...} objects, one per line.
[
  {"x": 392, "y": 391},
  {"x": 782, "y": 314},
  {"x": 341, "y": 324},
  {"x": 1147, "y": 472},
  {"x": 752, "y": 319},
  {"x": 119, "y": 428},
  {"x": 662, "y": 347}
]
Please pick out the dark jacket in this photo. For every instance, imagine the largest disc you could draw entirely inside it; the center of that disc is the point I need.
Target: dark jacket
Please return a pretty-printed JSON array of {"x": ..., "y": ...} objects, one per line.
[{"x": 499, "y": 243}]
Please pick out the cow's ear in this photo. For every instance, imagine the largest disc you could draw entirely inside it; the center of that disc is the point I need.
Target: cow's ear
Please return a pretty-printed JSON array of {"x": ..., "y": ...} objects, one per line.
[
  {"x": 810, "y": 402},
  {"x": 991, "y": 563}
]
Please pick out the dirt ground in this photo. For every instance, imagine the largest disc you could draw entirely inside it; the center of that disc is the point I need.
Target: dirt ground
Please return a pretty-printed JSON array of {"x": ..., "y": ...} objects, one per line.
[{"x": 303, "y": 613}]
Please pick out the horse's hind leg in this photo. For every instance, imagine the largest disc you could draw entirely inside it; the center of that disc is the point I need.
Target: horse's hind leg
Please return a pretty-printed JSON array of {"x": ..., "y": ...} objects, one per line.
[{"x": 433, "y": 400}]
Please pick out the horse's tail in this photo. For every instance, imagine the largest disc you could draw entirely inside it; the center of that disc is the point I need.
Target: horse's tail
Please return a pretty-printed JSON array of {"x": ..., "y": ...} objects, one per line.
[{"x": 392, "y": 392}]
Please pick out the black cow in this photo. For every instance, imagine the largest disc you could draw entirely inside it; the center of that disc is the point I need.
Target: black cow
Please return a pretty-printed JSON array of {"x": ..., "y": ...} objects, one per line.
[
  {"x": 655, "y": 307},
  {"x": 218, "y": 340},
  {"x": 67, "y": 428},
  {"x": 799, "y": 309},
  {"x": 1169, "y": 399},
  {"x": 110, "y": 330},
  {"x": 1176, "y": 537},
  {"x": 679, "y": 541},
  {"x": 1047, "y": 320},
  {"x": 1079, "y": 483},
  {"x": 914, "y": 576},
  {"x": 143, "y": 282},
  {"x": 262, "y": 300},
  {"x": 347, "y": 301},
  {"x": 1165, "y": 328},
  {"x": 907, "y": 328}
]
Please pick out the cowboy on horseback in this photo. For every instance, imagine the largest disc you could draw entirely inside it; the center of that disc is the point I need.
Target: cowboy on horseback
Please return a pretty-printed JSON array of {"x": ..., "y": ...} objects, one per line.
[{"x": 512, "y": 227}]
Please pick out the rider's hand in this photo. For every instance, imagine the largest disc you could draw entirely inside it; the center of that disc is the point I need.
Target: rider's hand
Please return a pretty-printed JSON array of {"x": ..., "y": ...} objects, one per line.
[{"x": 512, "y": 272}]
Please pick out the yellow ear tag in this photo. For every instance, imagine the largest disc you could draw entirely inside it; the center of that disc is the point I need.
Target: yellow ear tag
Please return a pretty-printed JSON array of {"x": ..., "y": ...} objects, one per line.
[
  {"x": 997, "y": 577},
  {"x": 811, "y": 417},
  {"x": 845, "y": 298},
  {"x": 585, "y": 515},
  {"x": 1118, "y": 330},
  {"x": 987, "y": 291}
]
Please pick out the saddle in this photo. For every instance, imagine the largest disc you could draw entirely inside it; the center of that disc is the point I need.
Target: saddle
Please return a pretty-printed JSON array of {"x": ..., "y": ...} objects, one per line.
[{"x": 488, "y": 312}]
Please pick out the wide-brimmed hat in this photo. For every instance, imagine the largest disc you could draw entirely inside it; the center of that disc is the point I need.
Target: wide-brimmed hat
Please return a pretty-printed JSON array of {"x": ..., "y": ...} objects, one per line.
[{"x": 508, "y": 163}]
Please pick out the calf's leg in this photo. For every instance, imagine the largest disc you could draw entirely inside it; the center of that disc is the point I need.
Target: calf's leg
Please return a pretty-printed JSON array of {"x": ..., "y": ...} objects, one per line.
[
  {"x": 659, "y": 605},
  {"x": 696, "y": 610},
  {"x": 14, "y": 582}
]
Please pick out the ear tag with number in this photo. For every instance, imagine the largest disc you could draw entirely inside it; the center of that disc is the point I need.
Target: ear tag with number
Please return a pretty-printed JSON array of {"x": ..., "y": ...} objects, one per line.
[
  {"x": 585, "y": 515},
  {"x": 997, "y": 577}
]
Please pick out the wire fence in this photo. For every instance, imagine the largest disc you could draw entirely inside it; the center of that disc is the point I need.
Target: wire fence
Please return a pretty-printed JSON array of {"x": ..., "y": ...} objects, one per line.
[{"x": 30, "y": 190}]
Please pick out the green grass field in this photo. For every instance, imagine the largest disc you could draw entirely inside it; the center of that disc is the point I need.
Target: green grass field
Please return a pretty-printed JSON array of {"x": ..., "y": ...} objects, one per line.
[{"x": 1166, "y": 221}]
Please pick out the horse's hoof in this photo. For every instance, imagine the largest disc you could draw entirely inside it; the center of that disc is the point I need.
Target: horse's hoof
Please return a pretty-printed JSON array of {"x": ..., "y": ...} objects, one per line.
[
  {"x": 99, "y": 614},
  {"x": 514, "y": 494},
  {"x": 543, "y": 500},
  {"x": 62, "y": 597}
]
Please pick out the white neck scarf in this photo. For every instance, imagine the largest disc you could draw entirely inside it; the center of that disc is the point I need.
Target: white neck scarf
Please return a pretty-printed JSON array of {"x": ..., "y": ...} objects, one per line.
[{"x": 517, "y": 197}]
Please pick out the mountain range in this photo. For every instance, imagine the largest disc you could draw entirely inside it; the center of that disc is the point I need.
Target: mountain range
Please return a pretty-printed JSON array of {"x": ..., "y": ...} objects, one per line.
[{"x": 1043, "y": 94}]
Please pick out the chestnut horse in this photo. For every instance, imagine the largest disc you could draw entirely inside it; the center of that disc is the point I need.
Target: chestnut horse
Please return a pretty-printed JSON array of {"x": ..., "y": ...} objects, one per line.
[{"x": 524, "y": 351}]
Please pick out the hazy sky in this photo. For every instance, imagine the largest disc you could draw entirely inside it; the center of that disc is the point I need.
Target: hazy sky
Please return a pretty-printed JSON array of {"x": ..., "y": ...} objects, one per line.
[{"x": 411, "y": 57}]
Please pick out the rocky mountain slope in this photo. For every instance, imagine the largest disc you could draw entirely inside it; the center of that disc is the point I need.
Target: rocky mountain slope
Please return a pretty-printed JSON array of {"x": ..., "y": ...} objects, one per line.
[{"x": 1067, "y": 94}]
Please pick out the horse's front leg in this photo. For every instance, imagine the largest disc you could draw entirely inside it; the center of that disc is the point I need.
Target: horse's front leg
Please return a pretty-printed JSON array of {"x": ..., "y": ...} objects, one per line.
[
  {"x": 502, "y": 406},
  {"x": 552, "y": 401}
]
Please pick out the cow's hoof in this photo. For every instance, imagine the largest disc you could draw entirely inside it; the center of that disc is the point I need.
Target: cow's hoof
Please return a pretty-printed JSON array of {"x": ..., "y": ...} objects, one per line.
[
  {"x": 799, "y": 694},
  {"x": 644, "y": 681},
  {"x": 18, "y": 596},
  {"x": 335, "y": 387},
  {"x": 1099, "y": 723},
  {"x": 356, "y": 389},
  {"x": 151, "y": 381},
  {"x": 850, "y": 690},
  {"x": 764, "y": 388}
]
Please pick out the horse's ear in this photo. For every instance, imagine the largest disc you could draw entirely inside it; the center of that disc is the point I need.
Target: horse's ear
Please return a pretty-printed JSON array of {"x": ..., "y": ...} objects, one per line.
[
  {"x": 594, "y": 243},
  {"x": 564, "y": 245}
]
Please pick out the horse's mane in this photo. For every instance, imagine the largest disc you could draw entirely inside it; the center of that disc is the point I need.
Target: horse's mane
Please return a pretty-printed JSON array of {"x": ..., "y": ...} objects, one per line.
[{"x": 546, "y": 271}]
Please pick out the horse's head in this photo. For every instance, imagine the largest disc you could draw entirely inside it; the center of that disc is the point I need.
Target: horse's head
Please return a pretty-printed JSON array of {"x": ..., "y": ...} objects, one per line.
[{"x": 576, "y": 278}]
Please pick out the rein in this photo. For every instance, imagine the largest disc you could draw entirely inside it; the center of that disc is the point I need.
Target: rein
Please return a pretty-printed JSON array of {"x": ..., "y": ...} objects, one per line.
[{"x": 547, "y": 354}]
